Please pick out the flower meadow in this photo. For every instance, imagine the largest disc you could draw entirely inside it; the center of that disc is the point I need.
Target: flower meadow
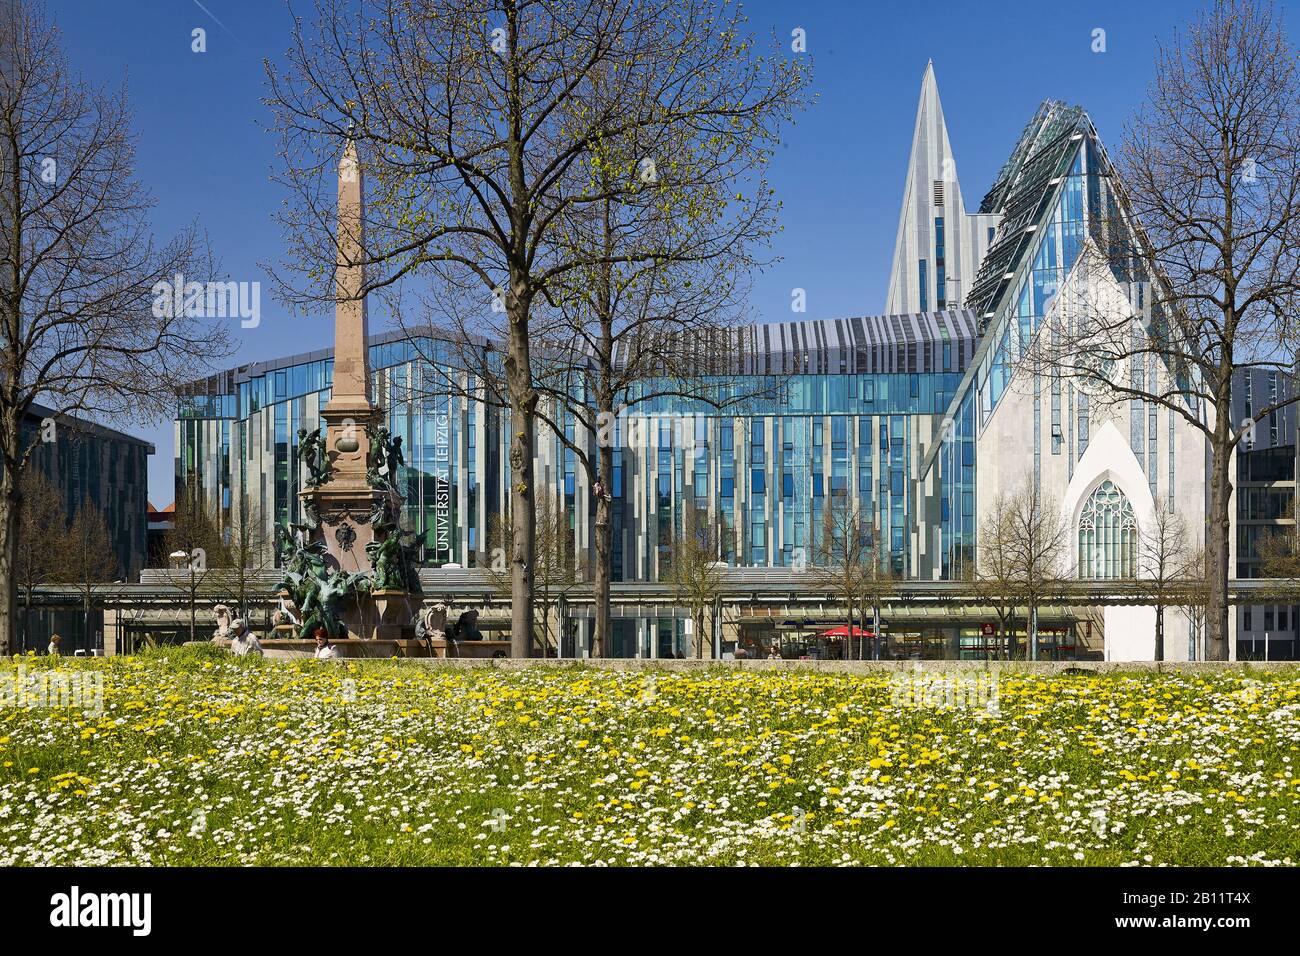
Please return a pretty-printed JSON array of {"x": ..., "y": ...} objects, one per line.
[{"x": 194, "y": 758}]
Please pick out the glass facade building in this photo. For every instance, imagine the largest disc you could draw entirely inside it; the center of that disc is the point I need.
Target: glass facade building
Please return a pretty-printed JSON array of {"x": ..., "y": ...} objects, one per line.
[
  {"x": 1265, "y": 506},
  {"x": 827, "y": 409}
]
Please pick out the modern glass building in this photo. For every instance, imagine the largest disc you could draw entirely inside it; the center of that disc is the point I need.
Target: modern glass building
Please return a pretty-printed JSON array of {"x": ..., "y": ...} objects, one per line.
[
  {"x": 1265, "y": 505},
  {"x": 829, "y": 409},
  {"x": 106, "y": 469}
]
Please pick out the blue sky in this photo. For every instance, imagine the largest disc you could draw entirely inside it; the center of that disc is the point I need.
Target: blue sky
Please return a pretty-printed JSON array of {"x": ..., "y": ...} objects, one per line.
[{"x": 204, "y": 151}]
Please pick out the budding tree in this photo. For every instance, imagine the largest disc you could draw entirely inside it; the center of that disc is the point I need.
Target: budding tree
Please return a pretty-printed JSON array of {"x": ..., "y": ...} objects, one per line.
[
  {"x": 477, "y": 122},
  {"x": 845, "y": 556},
  {"x": 1037, "y": 541},
  {"x": 694, "y": 570}
]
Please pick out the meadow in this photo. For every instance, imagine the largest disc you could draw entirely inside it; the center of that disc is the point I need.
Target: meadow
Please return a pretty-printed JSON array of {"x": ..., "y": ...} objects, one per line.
[{"x": 191, "y": 757}]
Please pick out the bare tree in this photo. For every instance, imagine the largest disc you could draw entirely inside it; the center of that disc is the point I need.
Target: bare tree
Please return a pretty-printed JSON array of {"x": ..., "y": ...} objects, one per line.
[
  {"x": 1209, "y": 172},
  {"x": 478, "y": 122},
  {"x": 90, "y": 559},
  {"x": 83, "y": 326},
  {"x": 1279, "y": 561},
  {"x": 558, "y": 569},
  {"x": 247, "y": 550},
  {"x": 197, "y": 549},
  {"x": 1165, "y": 557},
  {"x": 851, "y": 561},
  {"x": 694, "y": 570},
  {"x": 1037, "y": 539},
  {"x": 1193, "y": 602},
  {"x": 842, "y": 554},
  {"x": 42, "y": 529},
  {"x": 1279, "y": 556},
  {"x": 877, "y": 584},
  {"x": 997, "y": 575}
]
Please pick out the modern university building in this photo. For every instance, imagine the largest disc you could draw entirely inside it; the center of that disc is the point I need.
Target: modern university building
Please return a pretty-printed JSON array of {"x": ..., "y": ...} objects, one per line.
[{"x": 921, "y": 414}]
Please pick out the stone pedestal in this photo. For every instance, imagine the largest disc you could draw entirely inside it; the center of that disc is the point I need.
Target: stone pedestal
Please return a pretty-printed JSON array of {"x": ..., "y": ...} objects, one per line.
[{"x": 394, "y": 615}]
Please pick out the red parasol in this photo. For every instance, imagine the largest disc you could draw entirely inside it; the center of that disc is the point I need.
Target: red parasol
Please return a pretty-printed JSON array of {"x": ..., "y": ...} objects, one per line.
[{"x": 843, "y": 629}]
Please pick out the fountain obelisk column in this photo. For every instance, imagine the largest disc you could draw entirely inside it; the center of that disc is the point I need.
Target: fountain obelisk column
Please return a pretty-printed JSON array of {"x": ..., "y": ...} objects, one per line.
[{"x": 345, "y": 499}]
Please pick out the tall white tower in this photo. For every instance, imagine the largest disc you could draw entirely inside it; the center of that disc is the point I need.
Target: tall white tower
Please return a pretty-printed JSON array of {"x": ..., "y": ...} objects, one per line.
[{"x": 939, "y": 247}]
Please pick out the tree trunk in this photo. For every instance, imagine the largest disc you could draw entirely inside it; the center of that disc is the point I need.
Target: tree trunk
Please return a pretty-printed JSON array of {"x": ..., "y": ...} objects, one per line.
[
  {"x": 875, "y": 631},
  {"x": 544, "y": 638},
  {"x": 523, "y": 513},
  {"x": 699, "y": 633},
  {"x": 10, "y": 506},
  {"x": 1216, "y": 550},
  {"x": 848, "y": 636},
  {"x": 1160, "y": 632},
  {"x": 604, "y": 532},
  {"x": 26, "y": 630},
  {"x": 1033, "y": 631}
]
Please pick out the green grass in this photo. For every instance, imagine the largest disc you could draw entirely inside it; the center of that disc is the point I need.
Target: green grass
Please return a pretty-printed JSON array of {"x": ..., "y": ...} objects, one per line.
[{"x": 199, "y": 758}]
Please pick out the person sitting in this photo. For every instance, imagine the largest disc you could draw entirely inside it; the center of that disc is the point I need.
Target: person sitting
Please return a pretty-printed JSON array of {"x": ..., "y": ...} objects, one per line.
[
  {"x": 466, "y": 628},
  {"x": 53, "y": 648},
  {"x": 243, "y": 641},
  {"x": 325, "y": 651}
]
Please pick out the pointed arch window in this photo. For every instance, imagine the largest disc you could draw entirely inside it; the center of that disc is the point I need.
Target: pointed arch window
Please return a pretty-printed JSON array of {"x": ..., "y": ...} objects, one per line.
[{"x": 1107, "y": 535}]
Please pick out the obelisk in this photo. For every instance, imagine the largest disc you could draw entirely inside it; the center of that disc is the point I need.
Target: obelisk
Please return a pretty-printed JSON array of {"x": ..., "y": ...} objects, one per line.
[
  {"x": 345, "y": 499},
  {"x": 351, "y": 327}
]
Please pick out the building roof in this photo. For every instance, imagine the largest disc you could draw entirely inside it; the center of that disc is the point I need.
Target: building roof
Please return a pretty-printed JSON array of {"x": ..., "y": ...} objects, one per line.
[
  {"x": 862, "y": 345},
  {"x": 83, "y": 425},
  {"x": 859, "y": 345},
  {"x": 1024, "y": 190}
]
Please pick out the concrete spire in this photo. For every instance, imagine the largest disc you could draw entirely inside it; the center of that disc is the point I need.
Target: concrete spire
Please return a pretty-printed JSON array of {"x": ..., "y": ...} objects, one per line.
[
  {"x": 938, "y": 247},
  {"x": 930, "y": 190}
]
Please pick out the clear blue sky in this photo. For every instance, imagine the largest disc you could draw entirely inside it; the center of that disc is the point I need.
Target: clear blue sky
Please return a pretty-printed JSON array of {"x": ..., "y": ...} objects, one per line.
[{"x": 204, "y": 150}]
